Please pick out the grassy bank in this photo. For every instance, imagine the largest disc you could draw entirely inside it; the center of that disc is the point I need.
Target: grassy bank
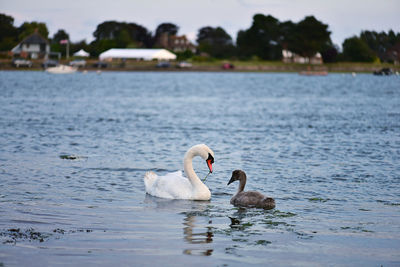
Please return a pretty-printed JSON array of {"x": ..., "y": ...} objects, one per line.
[
  {"x": 277, "y": 66},
  {"x": 240, "y": 66}
]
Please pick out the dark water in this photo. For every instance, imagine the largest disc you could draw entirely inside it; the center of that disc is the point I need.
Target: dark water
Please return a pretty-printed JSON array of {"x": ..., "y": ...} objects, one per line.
[{"x": 74, "y": 149}]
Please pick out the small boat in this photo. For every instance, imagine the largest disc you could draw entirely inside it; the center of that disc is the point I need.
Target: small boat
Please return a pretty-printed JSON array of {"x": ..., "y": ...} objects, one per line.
[
  {"x": 383, "y": 72},
  {"x": 61, "y": 69}
]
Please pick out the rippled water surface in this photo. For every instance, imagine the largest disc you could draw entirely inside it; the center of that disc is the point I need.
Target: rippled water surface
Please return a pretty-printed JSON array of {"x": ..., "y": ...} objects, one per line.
[{"x": 74, "y": 149}]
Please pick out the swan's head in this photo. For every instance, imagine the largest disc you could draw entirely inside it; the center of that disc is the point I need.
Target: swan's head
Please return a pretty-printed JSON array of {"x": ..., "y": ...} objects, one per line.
[
  {"x": 237, "y": 175},
  {"x": 205, "y": 153}
]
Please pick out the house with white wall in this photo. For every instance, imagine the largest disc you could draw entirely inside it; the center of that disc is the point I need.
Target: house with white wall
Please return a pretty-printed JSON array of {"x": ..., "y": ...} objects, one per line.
[
  {"x": 34, "y": 46},
  {"x": 290, "y": 57}
]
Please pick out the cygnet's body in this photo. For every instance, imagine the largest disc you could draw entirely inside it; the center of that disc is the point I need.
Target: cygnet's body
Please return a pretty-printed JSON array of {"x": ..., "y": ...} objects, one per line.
[{"x": 249, "y": 198}]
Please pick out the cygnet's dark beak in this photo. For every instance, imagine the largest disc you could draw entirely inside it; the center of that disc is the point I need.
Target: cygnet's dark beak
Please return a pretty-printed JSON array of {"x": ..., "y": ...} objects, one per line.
[{"x": 231, "y": 180}]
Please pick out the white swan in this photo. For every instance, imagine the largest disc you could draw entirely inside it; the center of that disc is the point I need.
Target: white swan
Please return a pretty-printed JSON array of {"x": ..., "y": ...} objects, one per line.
[{"x": 175, "y": 186}]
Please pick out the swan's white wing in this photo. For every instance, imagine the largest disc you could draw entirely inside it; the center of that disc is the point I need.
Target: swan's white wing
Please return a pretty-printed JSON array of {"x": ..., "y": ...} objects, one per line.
[
  {"x": 149, "y": 179},
  {"x": 175, "y": 174},
  {"x": 172, "y": 185}
]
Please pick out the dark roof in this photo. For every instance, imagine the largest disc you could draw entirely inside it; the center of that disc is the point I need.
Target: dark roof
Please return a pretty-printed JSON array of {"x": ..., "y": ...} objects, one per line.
[{"x": 34, "y": 38}]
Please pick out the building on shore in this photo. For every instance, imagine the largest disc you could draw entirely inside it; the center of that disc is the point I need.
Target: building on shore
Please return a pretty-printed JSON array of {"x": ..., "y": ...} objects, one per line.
[
  {"x": 393, "y": 54},
  {"x": 136, "y": 54},
  {"x": 290, "y": 57},
  {"x": 81, "y": 53},
  {"x": 34, "y": 46},
  {"x": 175, "y": 43}
]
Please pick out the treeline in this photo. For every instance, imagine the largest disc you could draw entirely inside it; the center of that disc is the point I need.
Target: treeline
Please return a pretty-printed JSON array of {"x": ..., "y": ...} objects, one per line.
[{"x": 263, "y": 40}]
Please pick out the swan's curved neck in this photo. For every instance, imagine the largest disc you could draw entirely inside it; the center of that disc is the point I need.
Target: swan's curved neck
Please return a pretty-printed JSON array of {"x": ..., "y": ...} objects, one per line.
[{"x": 188, "y": 168}]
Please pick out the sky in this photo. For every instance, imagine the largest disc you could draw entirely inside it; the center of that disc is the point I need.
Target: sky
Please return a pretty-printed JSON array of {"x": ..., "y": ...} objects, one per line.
[{"x": 79, "y": 19}]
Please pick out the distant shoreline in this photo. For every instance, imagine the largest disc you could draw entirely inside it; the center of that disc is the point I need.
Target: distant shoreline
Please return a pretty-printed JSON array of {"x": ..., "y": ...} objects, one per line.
[{"x": 216, "y": 66}]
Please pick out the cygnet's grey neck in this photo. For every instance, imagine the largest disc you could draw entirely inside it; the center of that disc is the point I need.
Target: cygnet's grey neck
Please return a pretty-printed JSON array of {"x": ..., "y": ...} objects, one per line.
[{"x": 242, "y": 182}]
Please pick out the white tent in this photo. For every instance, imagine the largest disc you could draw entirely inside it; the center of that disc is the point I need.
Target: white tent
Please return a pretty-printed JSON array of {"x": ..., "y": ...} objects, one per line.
[
  {"x": 81, "y": 53},
  {"x": 144, "y": 54}
]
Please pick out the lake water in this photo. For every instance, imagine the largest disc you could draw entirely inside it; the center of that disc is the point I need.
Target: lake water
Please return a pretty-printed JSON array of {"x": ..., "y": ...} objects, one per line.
[{"x": 74, "y": 150}]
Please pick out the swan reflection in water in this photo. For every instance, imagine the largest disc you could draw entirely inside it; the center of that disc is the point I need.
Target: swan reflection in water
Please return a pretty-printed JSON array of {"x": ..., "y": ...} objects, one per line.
[
  {"x": 195, "y": 234},
  {"x": 196, "y": 238}
]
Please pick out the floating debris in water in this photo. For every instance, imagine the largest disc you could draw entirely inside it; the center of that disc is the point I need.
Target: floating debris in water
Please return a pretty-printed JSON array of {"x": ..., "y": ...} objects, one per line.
[
  {"x": 281, "y": 214},
  {"x": 14, "y": 235},
  {"x": 58, "y": 230},
  {"x": 303, "y": 235},
  {"x": 362, "y": 209},
  {"x": 318, "y": 199},
  {"x": 263, "y": 242},
  {"x": 72, "y": 157},
  {"x": 388, "y": 203},
  {"x": 355, "y": 229}
]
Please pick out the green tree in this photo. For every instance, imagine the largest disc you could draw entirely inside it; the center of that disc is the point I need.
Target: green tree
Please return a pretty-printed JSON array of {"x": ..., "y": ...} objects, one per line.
[
  {"x": 330, "y": 53},
  {"x": 184, "y": 55},
  {"x": 355, "y": 49},
  {"x": 97, "y": 47},
  {"x": 114, "y": 34},
  {"x": 394, "y": 38},
  {"x": 287, "y": 29},
  {"x": 169, "y": 28},
  {"x": 8, "y": 33},
  {"x": 164, "y": 28},
  {"x": 60, "y": 35},
  {"x": 309, "y": 37},
  {"x": 380, "y": 42},
  {"x": 27, "y": 28},
  {"x": 55, "y": 45},
  {"x": 216, "y": 42},
  {"x": 263, "y": 39},
  {"x": 113, "y": 30},
  {"x": 123, "y": 39}
]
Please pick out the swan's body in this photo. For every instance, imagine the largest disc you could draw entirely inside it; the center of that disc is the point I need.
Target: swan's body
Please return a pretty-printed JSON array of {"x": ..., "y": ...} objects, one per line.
[
  {"x": 176, "y": 186},
  {"x": 249, "y": 198}
]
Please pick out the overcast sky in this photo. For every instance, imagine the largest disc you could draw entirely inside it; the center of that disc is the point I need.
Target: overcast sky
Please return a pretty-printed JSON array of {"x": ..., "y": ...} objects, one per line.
[{"x": 80, "y": 18}]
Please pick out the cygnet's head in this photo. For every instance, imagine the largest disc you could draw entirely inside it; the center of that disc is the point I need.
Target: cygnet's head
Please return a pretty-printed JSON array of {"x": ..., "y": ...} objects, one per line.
[{"x": 237, "y": 175}]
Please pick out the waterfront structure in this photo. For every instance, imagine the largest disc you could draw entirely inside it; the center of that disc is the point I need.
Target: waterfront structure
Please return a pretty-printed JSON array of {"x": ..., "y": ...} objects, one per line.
[
  {"x": 136, "y": 53},
  {"x": 175, "y": 43},
  {"x": 290, "y": 57},
  {"x": 34, "y": 46},
  {"x": 81, "y": 53}
]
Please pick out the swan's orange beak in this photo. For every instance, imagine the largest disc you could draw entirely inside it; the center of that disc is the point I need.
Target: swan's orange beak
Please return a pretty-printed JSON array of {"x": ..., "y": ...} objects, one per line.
[
  {"x": 210, "y": 161},
  {"x": 209, "y": 164}
]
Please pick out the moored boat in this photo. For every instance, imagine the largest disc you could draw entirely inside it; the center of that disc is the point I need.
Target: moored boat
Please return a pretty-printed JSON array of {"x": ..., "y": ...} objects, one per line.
[
  {"x": 61, "y": 69},
  {"x": 383, "y": 72}
]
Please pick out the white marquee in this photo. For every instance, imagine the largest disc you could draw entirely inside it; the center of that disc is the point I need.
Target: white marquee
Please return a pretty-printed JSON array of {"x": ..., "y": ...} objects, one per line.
[{"x": 133, "y": 53}]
